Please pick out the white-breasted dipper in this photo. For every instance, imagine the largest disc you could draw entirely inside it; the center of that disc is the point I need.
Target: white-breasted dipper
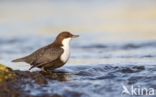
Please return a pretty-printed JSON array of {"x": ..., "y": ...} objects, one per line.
[{"x": 51, "y": 56}]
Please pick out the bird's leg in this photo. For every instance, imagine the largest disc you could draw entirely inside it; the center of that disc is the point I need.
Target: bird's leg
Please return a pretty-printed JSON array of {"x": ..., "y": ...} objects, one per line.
[{"x": 43, "y": 69}]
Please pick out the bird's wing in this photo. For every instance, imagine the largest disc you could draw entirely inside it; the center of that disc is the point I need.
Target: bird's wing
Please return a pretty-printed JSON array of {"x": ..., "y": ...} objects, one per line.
[{"x": 48, "y": 55}]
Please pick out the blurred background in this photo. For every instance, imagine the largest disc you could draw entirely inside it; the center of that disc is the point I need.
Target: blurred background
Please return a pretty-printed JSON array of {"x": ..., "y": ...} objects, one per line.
[{"x": 113, "y": 19}]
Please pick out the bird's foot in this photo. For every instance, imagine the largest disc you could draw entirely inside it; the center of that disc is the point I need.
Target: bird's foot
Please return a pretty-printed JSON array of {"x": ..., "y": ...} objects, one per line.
[{"x": 43, "y": 70}]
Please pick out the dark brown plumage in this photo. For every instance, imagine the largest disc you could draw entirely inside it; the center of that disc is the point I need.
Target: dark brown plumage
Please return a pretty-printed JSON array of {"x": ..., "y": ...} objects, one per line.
[{"x": 48, "y": 57}]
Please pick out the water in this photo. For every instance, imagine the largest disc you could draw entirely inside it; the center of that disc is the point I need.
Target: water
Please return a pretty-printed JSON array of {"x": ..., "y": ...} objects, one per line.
[
  {"x": 95, "y": 69},
  {"x": 116, "y": 47}
]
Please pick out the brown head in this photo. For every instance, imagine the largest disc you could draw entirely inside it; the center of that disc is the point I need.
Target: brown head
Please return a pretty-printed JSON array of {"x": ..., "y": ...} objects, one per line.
[{"x": 64, "y": 36}]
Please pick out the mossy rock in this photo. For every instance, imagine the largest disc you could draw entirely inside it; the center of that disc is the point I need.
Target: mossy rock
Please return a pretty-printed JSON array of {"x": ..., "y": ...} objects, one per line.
[{"x": 6, "y": 73}]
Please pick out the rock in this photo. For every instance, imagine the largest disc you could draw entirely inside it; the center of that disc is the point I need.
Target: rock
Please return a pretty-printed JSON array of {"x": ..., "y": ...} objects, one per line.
[
  {"x": 6, "y": 73},
  {"x": 16, "y": 83},
  {"x": 8, "y": 82}
]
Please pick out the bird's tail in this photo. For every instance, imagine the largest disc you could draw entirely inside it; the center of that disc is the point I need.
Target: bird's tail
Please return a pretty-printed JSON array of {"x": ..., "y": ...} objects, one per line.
[{"x": 19, "y": 60}]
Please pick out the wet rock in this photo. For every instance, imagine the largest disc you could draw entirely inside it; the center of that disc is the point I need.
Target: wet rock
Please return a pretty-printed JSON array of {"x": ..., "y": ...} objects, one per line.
[
  {"x": 127, "y": 70},
  {"x": 85, "y": 73},
  {"x": 7, "y": 79},
  {"x": 6, "y": 73},
  {"x": 131, "y": 69},
  {"x": 13, "y": 83},
  {"x": 139, "y": 68}
]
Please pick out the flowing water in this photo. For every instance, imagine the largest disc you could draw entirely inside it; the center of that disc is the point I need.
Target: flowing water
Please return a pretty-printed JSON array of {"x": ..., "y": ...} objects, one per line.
[
  {"x": 106, "y": 56},
  {"x": 95, "y": 69}
]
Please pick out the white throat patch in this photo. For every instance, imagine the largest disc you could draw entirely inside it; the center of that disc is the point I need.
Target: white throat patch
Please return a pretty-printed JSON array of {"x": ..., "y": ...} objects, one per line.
[{"x": 66, "y": 48}]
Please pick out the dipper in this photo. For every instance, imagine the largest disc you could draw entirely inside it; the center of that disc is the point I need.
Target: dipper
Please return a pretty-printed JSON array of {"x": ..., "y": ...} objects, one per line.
[{"x": 51, "y": 56}]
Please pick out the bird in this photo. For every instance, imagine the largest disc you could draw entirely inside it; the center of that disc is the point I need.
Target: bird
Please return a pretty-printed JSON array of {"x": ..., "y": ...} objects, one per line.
[{"x": 51, "y": 56}]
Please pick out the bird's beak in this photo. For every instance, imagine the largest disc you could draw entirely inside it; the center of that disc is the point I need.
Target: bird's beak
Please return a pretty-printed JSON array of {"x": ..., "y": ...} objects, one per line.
[{"x": 75, "y": 36}]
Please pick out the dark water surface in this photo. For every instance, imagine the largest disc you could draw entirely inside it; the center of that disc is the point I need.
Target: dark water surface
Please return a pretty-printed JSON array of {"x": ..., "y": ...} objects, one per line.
[{"x": 96, "y": 68}]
